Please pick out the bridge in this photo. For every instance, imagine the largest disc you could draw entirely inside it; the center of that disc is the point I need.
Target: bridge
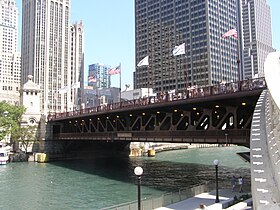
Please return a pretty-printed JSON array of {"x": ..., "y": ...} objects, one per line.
[
  {"x": 216, "y": 114},
  {"x": 243, "y": 113}
]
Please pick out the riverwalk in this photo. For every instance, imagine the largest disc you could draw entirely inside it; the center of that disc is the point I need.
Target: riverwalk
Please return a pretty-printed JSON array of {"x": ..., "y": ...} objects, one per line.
[{"x": 226, "y": 197}]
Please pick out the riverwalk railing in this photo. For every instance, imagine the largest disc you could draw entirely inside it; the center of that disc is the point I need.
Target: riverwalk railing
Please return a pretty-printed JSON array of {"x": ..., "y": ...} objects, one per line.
[{"x": 169, "y": 198}]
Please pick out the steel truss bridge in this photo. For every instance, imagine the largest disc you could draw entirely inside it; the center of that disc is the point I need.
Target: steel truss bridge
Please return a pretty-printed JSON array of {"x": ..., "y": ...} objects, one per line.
[{"x": 216, "y": 114}]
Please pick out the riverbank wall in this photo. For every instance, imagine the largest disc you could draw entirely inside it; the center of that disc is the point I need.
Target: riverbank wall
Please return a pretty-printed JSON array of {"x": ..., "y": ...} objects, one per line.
[{"x": 139, "y": 149}]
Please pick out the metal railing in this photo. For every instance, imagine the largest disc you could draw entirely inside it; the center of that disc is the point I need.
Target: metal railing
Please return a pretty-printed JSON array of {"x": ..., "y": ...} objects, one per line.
[
  {"x": 169, "y": 198},
  {"x": 191, "y": 92}
]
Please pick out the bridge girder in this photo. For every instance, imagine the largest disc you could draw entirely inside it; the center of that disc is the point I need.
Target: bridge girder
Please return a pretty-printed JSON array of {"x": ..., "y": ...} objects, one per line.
[{"x": 212, "y": 119}]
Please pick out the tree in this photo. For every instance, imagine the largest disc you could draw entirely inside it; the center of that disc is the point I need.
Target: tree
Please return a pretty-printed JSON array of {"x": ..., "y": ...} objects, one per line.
[
  {"x": 10, "y": 117},
  {"x": 26, "y": 136}
]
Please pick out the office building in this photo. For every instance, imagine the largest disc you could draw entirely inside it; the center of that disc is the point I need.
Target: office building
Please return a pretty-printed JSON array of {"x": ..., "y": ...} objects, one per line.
[
  {"x": 77, "y": 67},
  {"x": 257, "y": 36},
  {"x": 9, "y": 56},
  {"x": 100, "y": 82},
  {"x": 161, "y": 25},
  {"x": 48, "y": 42},
  {"x": 98, "y": 76}
]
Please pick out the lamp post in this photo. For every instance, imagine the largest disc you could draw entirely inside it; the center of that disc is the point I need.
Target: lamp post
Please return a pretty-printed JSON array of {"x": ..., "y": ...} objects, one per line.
[
  {"x": 216, "y": 163},
  {"x": 138, "y": 171},
  {"x": 226, "y": 135}
]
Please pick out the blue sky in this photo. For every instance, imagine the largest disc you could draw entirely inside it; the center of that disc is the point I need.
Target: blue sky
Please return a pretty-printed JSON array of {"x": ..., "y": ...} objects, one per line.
[{"x": 109, "y": 33}]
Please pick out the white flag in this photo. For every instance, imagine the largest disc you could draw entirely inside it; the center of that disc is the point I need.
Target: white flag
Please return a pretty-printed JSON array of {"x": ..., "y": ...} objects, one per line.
[
  {"x": 179, "y": 50},
  {"x": 63, "y": 90},
  {"x": 76, "y": 85},
  {"x": 232, "y": 32},
  {"x": 144, "y": 62}
]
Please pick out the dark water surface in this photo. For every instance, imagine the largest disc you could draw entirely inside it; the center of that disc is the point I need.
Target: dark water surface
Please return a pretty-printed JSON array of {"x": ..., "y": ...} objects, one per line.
[{"x": 103, "y": 182}]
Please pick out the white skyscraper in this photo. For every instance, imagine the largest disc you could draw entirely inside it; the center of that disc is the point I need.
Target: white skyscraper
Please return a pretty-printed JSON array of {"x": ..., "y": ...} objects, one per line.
[
  {"x": 77, "y": 66},
  {"x": 9, "y": 57},
  {"x": 257, "y": 36},
  {"x": 46, "y": 51}
]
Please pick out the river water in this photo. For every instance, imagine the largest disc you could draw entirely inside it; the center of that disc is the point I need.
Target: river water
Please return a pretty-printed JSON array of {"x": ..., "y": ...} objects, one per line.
[{"x": 103, "y": 182}]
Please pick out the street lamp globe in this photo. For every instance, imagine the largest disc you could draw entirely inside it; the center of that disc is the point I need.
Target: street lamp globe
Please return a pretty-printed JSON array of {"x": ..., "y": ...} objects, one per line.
[
  {"x": 138, "y": 171},
  {"x": 216, "y": 162}
]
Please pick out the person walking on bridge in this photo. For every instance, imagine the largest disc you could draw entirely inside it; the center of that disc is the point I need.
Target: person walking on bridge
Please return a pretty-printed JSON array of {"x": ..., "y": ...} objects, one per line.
[
  {"x": 233, "y": 182},
  {"x": 240, "y": 183}
]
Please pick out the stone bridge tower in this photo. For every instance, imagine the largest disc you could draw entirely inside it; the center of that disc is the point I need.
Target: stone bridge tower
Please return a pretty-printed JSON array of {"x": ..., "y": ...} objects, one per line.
[{"x": 30, "y": 94}]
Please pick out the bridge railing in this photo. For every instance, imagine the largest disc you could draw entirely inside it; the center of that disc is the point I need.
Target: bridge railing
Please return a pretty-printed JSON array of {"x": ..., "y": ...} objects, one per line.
[
  {"x": 273, "y": 138},
  {"x": 191, "y": 92}
]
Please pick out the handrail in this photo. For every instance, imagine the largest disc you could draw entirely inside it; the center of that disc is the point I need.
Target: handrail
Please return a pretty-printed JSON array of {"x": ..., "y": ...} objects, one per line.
[
  {"x": 191, "y": 92},
  {"x": 170, "y": 197}
]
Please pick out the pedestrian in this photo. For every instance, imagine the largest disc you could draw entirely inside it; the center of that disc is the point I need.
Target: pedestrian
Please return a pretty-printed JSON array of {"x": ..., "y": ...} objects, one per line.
[
  {"x": 240, "y": 183},
  {"x": 233, "y": 182},
  {"x": 202, "y": 206}
]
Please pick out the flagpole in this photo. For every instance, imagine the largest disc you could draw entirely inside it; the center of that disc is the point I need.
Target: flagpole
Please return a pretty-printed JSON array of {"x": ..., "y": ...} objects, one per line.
[
  {"x": 97, "y": 94},
  {"x": 148, "y": 81},
  {"x": 238, "y": 59},
  {"x": 120, "y": 83},
  {"x": 187, "y": 82}
]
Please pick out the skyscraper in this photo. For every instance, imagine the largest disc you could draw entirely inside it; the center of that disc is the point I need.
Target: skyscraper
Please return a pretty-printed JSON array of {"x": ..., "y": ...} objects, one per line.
[
  {"x": 257, "y": 36},
  {"x": 77, "y": 66},
  {"x": 46, "y": 51},
  {"x": 99, "y": 75},
  {"x": 161, "y": 25},
  {"x": 9, "y": 57}
]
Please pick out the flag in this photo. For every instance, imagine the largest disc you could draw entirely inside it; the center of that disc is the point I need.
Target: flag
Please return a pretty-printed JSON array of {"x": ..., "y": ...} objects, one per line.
[
  {"x": 232, "y": 32},
  {"x": 76, "y": 85},
  {"x": 92, "y": 79},
  {"x": 115, "y": 70},
  {"x": 179, "y": 50},
  {"x": 144, "y": 62},
  {"x": 63, "y": 90}
]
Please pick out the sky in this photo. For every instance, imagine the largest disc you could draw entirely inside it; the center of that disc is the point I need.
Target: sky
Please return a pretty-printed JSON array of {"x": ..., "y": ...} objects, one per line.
[{"x": 109, "y": 33}]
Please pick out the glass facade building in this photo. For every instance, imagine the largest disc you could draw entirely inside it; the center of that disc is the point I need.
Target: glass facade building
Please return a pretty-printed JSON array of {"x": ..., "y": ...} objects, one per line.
[
  {"x": 257, "y": 36},
  {"x": 160, "y": 25},
  {"x": 99, "y": 72}
]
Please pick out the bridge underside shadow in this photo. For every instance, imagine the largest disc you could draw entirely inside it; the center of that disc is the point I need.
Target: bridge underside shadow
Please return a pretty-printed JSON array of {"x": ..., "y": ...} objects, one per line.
[{"x": 221, "y": 119}]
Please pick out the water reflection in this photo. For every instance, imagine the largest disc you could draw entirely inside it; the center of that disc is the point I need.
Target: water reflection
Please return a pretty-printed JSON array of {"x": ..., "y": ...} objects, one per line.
[{"x": 102, "y": 182}]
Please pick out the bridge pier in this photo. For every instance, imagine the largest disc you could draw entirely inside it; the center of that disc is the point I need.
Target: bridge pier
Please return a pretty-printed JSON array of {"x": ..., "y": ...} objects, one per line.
[{"x": 81, "y": 149}]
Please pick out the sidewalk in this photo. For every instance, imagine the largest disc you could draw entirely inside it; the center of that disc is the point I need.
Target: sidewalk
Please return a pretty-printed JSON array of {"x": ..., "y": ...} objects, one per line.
[{"x": 208, "y": 199}]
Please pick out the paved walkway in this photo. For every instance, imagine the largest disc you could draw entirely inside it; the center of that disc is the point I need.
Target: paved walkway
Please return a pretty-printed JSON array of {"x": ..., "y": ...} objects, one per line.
[{"x": 208, "y": 199}]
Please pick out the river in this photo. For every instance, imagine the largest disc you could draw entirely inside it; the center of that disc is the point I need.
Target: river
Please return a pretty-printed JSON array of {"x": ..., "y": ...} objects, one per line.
[{"x": 103, "y": 182}]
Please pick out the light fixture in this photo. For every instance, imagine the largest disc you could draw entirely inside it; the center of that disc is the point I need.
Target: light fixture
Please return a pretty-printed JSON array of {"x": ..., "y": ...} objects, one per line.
[
  {"x": 138, "y": 171},
  {"x": 216, "y": 163}
]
